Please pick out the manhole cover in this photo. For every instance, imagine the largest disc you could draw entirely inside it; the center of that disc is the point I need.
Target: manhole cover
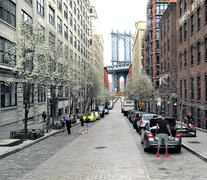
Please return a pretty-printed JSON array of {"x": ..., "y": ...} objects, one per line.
[
  {"x": 162, "y": 169},
  {"x": 100, "y": 147},
  {"x": 193, "y": 142}
]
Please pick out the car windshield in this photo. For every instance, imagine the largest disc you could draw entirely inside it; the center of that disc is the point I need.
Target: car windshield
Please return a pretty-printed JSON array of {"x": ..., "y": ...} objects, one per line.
[
  {"x": 148, "y": 116},
  {"x": 89, "y": 114}
]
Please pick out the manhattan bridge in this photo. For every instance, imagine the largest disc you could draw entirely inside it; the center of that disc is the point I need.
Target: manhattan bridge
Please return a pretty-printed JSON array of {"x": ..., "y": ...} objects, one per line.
[{"x": 120, "y": 67}]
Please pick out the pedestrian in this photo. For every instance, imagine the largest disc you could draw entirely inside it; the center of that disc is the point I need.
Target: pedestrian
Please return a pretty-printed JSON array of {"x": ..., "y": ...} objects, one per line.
[
  {"x": 68, "y": 124},
  {"x": 63, "y": 120},
  {"x": 189, "y": 119},
  {"x": 163, "y": 130},
  {"x": 87, "y": 124},
  {"x": 44, "y": 116},
  {"x": 82, "y": 126}
]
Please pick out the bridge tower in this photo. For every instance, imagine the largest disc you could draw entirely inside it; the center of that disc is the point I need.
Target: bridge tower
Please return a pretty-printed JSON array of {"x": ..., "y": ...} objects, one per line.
[{"x": 120, "y": 67}]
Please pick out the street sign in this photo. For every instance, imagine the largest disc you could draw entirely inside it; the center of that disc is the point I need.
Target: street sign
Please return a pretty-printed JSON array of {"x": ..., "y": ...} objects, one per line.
[
  {"x": 158, "y": 102},
  {"x": 141, "y": 104}
]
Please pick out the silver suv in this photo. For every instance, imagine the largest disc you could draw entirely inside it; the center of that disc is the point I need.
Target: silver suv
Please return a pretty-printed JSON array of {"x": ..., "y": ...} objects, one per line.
[{"x": 144, "y": 119}]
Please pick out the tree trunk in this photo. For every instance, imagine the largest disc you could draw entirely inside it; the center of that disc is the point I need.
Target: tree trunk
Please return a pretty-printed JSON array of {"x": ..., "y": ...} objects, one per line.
[{"x": 25, "y": 117}]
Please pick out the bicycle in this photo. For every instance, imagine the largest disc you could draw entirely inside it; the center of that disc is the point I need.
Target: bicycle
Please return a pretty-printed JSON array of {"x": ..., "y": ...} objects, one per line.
[{"x": 46, "y": 127}]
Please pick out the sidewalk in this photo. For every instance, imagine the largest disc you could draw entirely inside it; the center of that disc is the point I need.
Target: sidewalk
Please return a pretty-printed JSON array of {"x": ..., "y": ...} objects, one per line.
[
  {"x": 5, "y": 138},
  {"x": 196, "y": 145}
]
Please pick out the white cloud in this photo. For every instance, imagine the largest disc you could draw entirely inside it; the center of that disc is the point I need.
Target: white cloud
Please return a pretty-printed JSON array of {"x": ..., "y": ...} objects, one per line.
[{"x": 118, "y": 14}]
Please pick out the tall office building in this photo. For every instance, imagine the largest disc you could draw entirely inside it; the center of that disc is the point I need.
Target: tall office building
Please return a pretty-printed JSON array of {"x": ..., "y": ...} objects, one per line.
[
  {"x": 65, "y": 23},
  {"x": 96, "y": 44},
  {"x": 137, "y": 48}
]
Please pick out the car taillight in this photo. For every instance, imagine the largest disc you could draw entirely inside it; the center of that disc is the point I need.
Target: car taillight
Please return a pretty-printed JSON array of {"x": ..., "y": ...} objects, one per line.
[
  {"x": 141, "y": 122},
  {"x": 178, "y": 135},
  {"x": 136, "y": 118},
  {"x": 150, "y": 135}
]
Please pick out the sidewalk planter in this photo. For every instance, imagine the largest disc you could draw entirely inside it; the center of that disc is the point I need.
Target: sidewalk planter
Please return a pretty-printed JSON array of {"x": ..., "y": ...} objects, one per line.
[{"x": 32, "y": 134}]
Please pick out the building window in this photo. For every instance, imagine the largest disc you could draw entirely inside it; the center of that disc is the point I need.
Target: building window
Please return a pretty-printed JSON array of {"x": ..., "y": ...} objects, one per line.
[
  {"x": 185, "y": 88},
  {"x": 185, "y": 59},
  {"x": 41, "y": 94},
  {"x": 205, "y": 119},
  {"x": 8, "y": 95},
  {"x": 192, "y": 55},
  {"x": 181, "y": 35},
  {"x": 74, "y": 8},
  {"x": 181, "y": 89},
  {"x": 181, "y": 7},
  {"x": 74, "y": 25},
  {"x": 59, "y": 25},
  {"x": 75, "y": 42},
  {"x": 52, "y": 41},
  {"x": 60, "y": 91},
  {"x": 71, "y": 37},
  {"x": 71, "y": 19},
  {"x": 206, "y": 49},
  {"x": 181, "y": 61},
  {"x": 168, "y": 45},
  {"x": 198, "y": 18},
  {"x": 66, "y": 91},
  {"x": 168, "y": 25},
  {"x": 185, "y": 31},
  {"x": 185, "y": 5},
  {"x": 25, "y": 16},
  {"x": 65, "y": 31},
  {"x": 70, "y": 3},
  {"x": 60, "y": 49},
  {"x": 192, "y": 88},
  {"x": 59, "y": 4},
  {"x": 205, "y": 11},
  {"x": 192, "y": 24},
  {"x": 8, "y": 12},
  {"x": 28, "y": 93},
  {"x": 206, "y": 87},
  {"x": 198, "y": 117},
  {"x": 6, "y": 52},
  {"x": 40, "y": 7},
  {"x": 65, "y": 11},
  {"x": 198, "y": 52},
  {"x": 51, "y": 16},
  {"x": 164, "y": 30},
  {"x": 198, "y": 88}
]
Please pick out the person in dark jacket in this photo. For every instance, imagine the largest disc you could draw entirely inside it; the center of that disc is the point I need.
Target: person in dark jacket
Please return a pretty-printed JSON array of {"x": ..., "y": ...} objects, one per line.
[
  {"x": 44, "y": 116},
  {"x": 68, "y": 124}
]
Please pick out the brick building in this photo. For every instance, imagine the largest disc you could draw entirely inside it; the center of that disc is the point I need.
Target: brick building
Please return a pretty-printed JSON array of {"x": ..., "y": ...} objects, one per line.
[
  {"x": 168, "y": 65},
  {"x": 106, "y": 78},
  {"x": 192, "y": 59},
  {"x": 151, "y": 61}
]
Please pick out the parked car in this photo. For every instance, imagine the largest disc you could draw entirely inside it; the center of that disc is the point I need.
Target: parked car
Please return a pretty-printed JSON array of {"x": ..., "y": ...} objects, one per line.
[
  {"x": 136, "y": 116},
  {"x": 106, "y": 111},
  {"x": 90, "y": 115},
  {"x": 101, "y": 110},
  {"x": 97, "y": 115},
  {"x": 148, "y": 135},
  {"x": 129, "y": 114},
  {"x": 144, "y": 118}
]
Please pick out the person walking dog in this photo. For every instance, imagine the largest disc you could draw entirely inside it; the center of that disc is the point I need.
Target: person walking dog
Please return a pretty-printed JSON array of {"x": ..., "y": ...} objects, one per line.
[{"x": 163, "y": 128}]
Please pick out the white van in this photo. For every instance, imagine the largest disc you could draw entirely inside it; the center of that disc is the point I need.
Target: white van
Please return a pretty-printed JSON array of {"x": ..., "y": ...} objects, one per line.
[{"x": 127, "y": 105}]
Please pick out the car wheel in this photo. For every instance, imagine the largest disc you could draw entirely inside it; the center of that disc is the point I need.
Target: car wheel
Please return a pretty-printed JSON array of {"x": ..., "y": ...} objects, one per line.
[
  {"x": 178, "y": 149},
  {"x": 139, "y": 131}
]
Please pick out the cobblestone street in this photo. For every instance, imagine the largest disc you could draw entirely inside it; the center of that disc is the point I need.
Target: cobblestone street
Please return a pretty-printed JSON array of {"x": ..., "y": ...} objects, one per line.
[{"x": 110, "y": 151}]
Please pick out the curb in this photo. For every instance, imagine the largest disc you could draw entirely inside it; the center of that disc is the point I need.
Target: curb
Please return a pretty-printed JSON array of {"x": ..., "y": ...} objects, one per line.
[
  {"x": 30, "y": 144},
  {"x": 199, "y": 155}
]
